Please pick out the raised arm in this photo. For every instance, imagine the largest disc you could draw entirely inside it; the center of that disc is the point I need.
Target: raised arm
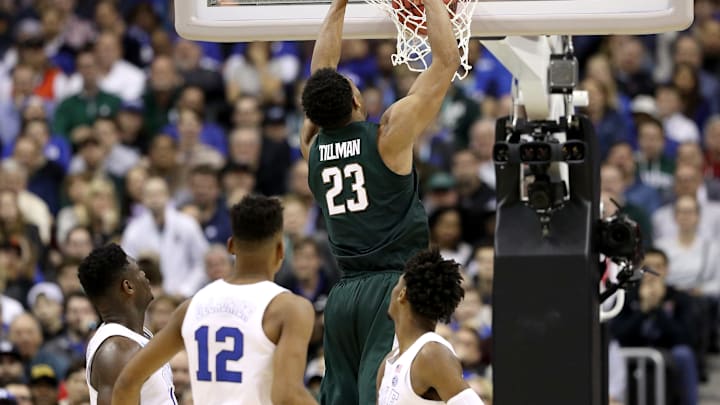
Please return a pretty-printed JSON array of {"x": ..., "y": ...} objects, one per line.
[
  {"x": 149, "y": 359},
  {"x": 296, "y": 318},
  {"x": 326, "y": 53},
  {"x": 437, "y": 367},
  {"x": 405, "y": 120}
]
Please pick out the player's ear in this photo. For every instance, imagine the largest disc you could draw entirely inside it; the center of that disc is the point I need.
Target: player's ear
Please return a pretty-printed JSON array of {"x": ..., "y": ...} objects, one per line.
[
  {"x": 402, "y": 295},
  {"x": 230, "y": 246},
  {"x": 128, "y": 287},
  {"x": 356, "y": 102},
  {"x": 280, "y": 249}
]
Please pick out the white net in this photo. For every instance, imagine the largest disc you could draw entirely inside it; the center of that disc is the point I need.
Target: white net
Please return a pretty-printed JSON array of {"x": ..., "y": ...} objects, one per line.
[{"x": 413, "y": 47}]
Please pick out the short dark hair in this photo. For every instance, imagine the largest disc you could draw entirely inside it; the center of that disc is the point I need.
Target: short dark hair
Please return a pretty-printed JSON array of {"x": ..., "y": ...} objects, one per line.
[
  {"x": 433, "y": 285},
  {"x": 657, "y": 251},
  {"x": 101, "y": 269},
  {"x": 328, "y": 99},
  {"x": 256, "y": 218}
]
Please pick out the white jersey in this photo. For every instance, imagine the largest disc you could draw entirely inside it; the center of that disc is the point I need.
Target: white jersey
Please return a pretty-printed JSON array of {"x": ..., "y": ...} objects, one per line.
[
  {"x": 157, "y": 390},
  {"x": 229, "y": 356},
  {"x": 396, "y": 388}
]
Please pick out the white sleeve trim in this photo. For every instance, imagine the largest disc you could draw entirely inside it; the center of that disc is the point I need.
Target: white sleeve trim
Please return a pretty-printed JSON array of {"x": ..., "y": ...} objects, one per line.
[{"x": 467, "y": 397}]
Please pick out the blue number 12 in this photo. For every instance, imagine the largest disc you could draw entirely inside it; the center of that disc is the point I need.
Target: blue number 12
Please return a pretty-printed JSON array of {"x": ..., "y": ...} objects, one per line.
[{"x": 221, "y": 359}]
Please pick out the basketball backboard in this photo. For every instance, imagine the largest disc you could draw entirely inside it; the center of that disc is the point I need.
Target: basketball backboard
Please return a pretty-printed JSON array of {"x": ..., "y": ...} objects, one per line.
[{"x": 266, "y": 20}]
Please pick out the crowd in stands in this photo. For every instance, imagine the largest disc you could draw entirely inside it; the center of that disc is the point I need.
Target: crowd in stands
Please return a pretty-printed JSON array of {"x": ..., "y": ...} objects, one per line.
[{"x": 112, "y": 128}]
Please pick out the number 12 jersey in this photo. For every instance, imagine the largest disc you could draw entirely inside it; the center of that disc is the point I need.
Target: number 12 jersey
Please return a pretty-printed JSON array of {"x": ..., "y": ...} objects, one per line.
[{"x": 229, "y": 356}]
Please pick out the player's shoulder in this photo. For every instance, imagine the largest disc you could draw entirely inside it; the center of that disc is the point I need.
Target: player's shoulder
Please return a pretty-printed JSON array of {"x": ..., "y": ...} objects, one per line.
[
  {"x": 434, "y": 353},
  {"x": 289, "y": 303},
  {"x": 115, "y": 348}
]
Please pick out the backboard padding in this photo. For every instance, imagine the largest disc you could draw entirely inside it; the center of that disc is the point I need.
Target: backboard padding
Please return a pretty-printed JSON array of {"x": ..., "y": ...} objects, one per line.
[{"x": 300, "y": 21}]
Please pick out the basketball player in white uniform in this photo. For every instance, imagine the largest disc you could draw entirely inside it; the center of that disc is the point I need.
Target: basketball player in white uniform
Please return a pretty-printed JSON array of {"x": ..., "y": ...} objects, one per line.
[
  {"x": 121, "y": 293},
  {"x": 245, "y": 336},
  {"x": 424, "y": 370}
]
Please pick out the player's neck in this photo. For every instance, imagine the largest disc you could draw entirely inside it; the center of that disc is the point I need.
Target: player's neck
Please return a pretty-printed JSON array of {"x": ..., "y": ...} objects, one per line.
[
  {"x": 250, "y": 269},
  {"x": 409, "y": 331},
  {"x": 128, "y": 318}
]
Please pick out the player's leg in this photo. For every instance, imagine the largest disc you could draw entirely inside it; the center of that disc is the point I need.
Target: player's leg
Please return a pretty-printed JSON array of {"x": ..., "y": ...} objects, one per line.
[
  {"x": 378, "y": 330},
  {"x": 340, "y": 346}
]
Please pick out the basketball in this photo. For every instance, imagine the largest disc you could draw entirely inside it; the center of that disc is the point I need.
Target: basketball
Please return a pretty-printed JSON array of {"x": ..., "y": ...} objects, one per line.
[{"x": 412, "y": 13}]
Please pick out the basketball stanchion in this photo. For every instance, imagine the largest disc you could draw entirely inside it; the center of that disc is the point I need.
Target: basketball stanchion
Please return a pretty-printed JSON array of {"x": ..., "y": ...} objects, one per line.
[{"x": 413, "y": 47}]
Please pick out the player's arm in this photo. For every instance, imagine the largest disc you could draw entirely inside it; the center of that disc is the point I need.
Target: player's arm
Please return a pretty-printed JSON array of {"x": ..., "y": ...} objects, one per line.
[
  {"x": 436, "y": 367},
  {"x": 149, "y": 359},
  {"x": 105, "y": 371},
  {"x": 326, "y": 53},
  {"x": 297, "y": 317},
  {"x": 379, "y": 378},
  {"x": 307, "y": 135},
  {"x": 405, "y": 120}
]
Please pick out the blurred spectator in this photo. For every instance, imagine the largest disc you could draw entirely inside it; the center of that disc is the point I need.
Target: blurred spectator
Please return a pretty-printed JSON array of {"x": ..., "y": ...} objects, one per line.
[
  {"x": 629, "y": 62},
  {"x": 26, "y": 334},
  {"x": 689, "y": 50},
  {"x": 130, "y": 122},
  {"x": 247, "y": 112},
  {"x": 15, "y": 95},
  {"x": 14, "y": 225},
  {"x": 599, "y": 68},
  {"x": 55, "y": 148},
  {"x": 161, "y": 92},
  {"x": 21, "y": 392},
  {"x": 14, "y": 177},
  {"x": 205, "y": 193},
  {"x": 477, "y": 199},
  {"x": 256, "y": 73},
  {"x": 192, "y": 151},
  {"x": 695, "y": 105},
  {"x": 659, "y": 316},
  {"x": 89, "y": 101},
  {"x": 45, "y": 176},
  {"x": 211, "y": 134},
  {"x": 67, "y": 277},
  {"x": 483, "y": 269},
  {"x": 439, "y": 192},
  {"x": 81, "y": 320},
  {"x": 15, "y": 279},
  {"x": 457, "y": 114},
  {"x": 132, "y": 195},
  {"x": 166, "y": 231},
  {"x": 636, "y": 192},
  {"x": 433, "y": 148},
  {"x": 482, "y": 140},
  {"x": 688, "y": 182},
  {"x": 50, "y": 82},
  {"x": 90, "y": 156},
  {"x": 218, "y": 262},
  {"x": 98, "y": 211},
  {"x": 693, "y": 257},
  {"x": 298, "y": 186},
  {"x": 44, "y": 385},
  {"x": 163, "y": 161},
  {"x": 118, "y": 76},
  {"x": 617, "y": 374},
  {"x": 467, "y": 344},
  {"x": 188, "y": 58},
  {"x": 275, "y": 154},
  {"x": 610, "y": 126},
  {"x": 76, "y": 386},
  {"x": 613, "y": 188},
  {"x": 119, "y": 159},
  {"x": 483, "y": 388},
  {"x": 159, "y": 312},
  {"x": 446, "y": 232},
  {"x": 678, "y": 127},
  {"x": 712, "y": 147},
  {"x": 309, "y": 278},
  {"x": 654, "y": 167},
  {"x": 181, "y": 374},
  {"x": 46, "y": 302},
  {"x": 11, "y": 366},
  {"x": 237, "y": 178},
  {"x": 246, "y": 146}
]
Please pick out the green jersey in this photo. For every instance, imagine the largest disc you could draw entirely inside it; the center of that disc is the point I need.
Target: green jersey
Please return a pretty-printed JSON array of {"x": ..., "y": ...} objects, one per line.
[{"x": 374, "y": 217}]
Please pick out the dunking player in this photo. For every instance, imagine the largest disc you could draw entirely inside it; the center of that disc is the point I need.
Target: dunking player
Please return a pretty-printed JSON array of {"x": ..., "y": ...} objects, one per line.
[
  {"x": 362, "y": 176},
  {"x": 121, "y": 293},
  {"x": 246, "y": 337},
  {"x": 424, "y": 368}
]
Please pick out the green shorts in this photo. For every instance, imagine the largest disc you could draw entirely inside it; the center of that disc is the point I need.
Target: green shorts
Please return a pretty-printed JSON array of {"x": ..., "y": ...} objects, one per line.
[{"x": 358, "y": 335}]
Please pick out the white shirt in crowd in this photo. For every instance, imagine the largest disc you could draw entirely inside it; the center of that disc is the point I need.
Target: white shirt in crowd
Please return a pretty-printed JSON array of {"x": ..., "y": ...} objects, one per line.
[
  {"x": 180, "y": 244},
  {"x": 694, "y": 266}
]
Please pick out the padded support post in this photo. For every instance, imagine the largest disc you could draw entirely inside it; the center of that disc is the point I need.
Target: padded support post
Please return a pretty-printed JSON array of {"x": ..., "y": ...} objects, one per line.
[{"x": 546, "y": 333}]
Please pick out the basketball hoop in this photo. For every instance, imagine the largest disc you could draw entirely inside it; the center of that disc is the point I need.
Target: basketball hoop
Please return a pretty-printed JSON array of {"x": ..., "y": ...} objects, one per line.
[{"x": 413, "y": 47}]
